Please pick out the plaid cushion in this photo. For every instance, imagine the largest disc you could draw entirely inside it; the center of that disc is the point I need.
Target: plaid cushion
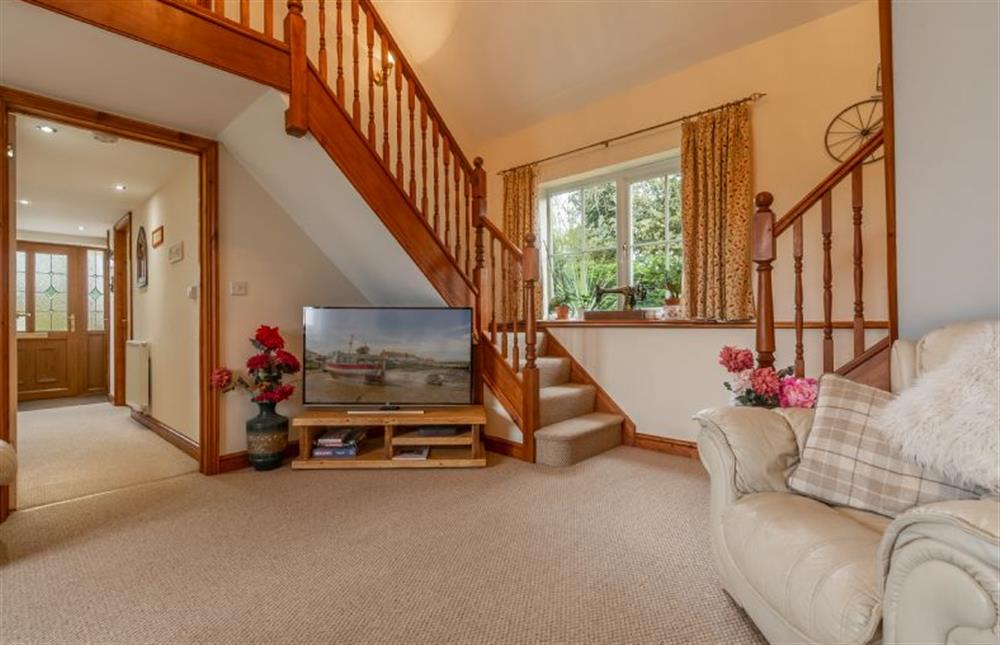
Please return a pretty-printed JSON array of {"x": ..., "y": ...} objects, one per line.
[{"x": 846, "y": 461}]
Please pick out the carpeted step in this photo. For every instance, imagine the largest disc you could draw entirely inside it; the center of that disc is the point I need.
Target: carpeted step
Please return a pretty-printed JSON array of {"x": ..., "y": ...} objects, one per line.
[
  {"x": 567, "y": 442},
  {"x": 552, "y": 370},
  {"x": 560, "y": 402}
]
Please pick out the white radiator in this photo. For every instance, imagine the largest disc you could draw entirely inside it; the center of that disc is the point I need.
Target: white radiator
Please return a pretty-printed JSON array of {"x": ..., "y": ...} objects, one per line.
[{"x": 137, "y": 375}]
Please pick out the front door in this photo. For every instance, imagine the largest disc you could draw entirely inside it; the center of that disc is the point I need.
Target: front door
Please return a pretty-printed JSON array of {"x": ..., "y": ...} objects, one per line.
[{"x": 61, "y": 321}]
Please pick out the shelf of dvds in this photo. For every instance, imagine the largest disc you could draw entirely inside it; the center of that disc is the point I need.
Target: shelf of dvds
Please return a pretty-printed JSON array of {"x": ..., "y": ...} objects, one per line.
[{"x": 390, "y": 432}]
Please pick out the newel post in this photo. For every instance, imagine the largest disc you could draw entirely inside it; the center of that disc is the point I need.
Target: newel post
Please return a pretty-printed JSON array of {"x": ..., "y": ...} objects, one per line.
[
  {"x": 297, "y": 114},
  {"x": 763, "y": 256},
  {"x": 478, "y": 214},
  {"x": 529, "y": 375}
]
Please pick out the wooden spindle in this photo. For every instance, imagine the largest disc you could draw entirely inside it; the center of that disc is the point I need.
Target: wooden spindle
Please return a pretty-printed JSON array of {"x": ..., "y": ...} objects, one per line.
[
  {"x": 493, "y": 291},
  {"x": 297, "y": 114},
  {"x": 826, "y": 212},
  {"x": 322, "y": 40},
  {"x": 857, "y": 205},
  {"x": 386, "y": 156},
  {"x": 800, "y": 364},
  {"x": 458, "y": 216},
  {"x": 516, "y": 297},
  {"x": 434, "y": 141},
  {"x": 219, "y": 7},
  {"x": 423, "y": 159},
  {"x": 245, "y": 13},
  {"x": 413, "y": 140},
  {"x": 468, "y": 232},
  {"x": 504, "y": 300},
  {"x": 529, "y": 376},
  {"x": 370, "y": 29},
  {"x": 356, "y": 105},
  {"x": 399, "y": 122},
  {"x": 446, "y": 161},
  {"x": 268, "y": 18},
  {"x": 477, "y": 185},
  {"x": 340, "y": 53},
  {"x": 763, "y": 256}
]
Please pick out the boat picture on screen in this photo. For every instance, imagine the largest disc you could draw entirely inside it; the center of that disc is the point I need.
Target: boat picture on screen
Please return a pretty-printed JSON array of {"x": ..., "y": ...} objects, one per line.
[{"x": 387, "y": 356}]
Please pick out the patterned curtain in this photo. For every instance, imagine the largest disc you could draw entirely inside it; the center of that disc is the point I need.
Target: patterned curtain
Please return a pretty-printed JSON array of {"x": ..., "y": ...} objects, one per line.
[
  {"x": 717, "y": 207},
  {"x": 520, "y": 197}
]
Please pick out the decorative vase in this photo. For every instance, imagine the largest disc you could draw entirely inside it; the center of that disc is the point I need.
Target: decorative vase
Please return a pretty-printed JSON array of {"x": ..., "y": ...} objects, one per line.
[
  {"x": 562, "y": 312},
  {"x": 267, "y": 437}
]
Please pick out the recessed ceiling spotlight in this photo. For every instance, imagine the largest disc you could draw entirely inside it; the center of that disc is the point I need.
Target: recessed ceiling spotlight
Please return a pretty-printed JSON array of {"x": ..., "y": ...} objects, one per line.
[
  {"x": 24, "y": 202},
  {"x": 47, "y": 129},
  {"x": 81, "y": 228},
  {"x": 105, "y": 137},
  {"x": 120, "y": 187}
]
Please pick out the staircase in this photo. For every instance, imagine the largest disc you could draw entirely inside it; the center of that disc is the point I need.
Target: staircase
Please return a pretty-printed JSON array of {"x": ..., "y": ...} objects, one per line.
[{"x": 351, "y": 88}]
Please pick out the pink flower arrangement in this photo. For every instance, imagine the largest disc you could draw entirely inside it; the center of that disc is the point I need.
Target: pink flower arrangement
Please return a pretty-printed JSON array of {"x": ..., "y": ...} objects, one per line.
[
  {"x": 798, "y": 392},
  {"x": 765, "y": 386}
]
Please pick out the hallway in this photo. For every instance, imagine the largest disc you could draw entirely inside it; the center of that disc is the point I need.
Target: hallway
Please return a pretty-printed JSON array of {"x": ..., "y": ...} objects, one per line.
[{"x": 67, "y": 452}]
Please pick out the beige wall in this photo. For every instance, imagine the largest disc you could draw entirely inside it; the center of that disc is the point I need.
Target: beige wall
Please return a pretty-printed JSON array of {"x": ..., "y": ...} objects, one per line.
[
  {"x": 59, "y": 238},
  {"x": 163, "y": 314},
  {"x": 947, "y": 85},
  {"x": 810, "y": 73},
  {"x": 260, "y": 244}
]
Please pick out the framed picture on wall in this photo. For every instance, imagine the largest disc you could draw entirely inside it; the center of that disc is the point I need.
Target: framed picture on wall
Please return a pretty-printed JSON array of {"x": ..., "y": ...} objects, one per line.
[
  {"x": 141, "y": 259},
  {"x": 157, "y": 237}
]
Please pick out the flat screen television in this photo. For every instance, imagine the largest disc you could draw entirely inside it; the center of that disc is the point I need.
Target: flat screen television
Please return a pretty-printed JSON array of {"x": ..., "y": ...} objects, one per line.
[{"x": 387, "y": 356}]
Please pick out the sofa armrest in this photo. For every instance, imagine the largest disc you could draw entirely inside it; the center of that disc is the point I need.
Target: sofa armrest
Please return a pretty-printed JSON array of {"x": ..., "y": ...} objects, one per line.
[
  {"x": 941, "y": 573},
  {"x": 747, "y": 450},
  {"x": 902, "y": 365}
]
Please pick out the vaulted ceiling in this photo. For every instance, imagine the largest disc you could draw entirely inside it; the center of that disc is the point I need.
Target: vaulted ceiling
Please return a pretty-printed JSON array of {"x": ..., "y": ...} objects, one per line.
[{"x": 496, "y": 66}]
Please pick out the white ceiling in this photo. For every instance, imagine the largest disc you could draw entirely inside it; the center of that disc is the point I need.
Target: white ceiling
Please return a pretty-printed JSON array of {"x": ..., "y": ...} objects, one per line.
[
  {"x": 69, "y": 177},
  {"x": 46, "y": 53},
  {"x": 496, "y": 66}
]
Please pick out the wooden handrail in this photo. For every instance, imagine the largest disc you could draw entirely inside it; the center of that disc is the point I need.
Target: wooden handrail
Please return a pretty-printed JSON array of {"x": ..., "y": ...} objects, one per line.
[
  {"x": 828, "y": 183},
  {"x": 384, "y": 32},
  {"x": 501, "y": 237}
]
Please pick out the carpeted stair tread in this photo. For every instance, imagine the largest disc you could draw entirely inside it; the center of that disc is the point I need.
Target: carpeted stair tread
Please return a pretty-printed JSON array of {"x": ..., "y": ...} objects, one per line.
[
  {"x": 560, "y": 402},
  {"x": 552, "y": 370},
  {"x": 573, "y": 440}
]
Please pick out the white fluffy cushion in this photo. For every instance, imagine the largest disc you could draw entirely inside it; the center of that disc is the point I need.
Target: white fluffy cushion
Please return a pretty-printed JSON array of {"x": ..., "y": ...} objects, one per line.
[{"x": 949, "y": 421}]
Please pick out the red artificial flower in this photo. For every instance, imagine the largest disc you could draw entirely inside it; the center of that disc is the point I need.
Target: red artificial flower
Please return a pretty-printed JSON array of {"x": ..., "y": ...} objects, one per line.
[
  {"x": 222, "y": 378},
  {"x": 735, "y": 359},
  {"x": 276, "y": 395},
  {"x": 288, "y": 361},
  {"x": 764, "y": 381},
  {"x": 269, "y": 337},
  {"x": 259, "y": 361}
]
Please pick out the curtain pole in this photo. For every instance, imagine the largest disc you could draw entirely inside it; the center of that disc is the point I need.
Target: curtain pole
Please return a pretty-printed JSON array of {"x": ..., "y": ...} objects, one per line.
[{"x": 606, "y": 142}]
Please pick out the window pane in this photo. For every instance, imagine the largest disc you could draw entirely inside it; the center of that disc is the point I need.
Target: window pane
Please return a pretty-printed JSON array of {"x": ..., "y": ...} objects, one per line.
[
  {"x": 675, "y": 247},
  {"x": 51, "y": 306},
  {"x": 95, "y": 290},
  {"x": 566, "y": 222},
  {"x": 648, "y": 203},
  {"x": 575, "y": 279},
  {"x": 649, "y": 269},
  {"x": 21, "y": 291},
  {"x": 601, "y": 216}
]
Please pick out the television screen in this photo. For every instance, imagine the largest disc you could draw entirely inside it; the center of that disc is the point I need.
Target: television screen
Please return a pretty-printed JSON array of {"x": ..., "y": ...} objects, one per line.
[{"x": 387, "y": 356}]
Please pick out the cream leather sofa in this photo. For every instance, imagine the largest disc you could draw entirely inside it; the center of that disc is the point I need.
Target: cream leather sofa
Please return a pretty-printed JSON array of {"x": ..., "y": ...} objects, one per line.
[{"x": 806, "y": 572}]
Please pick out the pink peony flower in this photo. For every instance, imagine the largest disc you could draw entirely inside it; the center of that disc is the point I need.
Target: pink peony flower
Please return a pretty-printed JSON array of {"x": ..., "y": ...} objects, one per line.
[
  {"x": 740, "y": 383},
  {"x": 222, "y": 378},
  {"x": 798, "y": 392},
  {"x": 764, "y": 381},
  {"x": 735, "y": 359}
]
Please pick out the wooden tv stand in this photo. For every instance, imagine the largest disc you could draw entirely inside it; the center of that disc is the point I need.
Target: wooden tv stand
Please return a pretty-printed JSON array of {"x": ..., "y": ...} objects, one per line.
[{"x": 464, "y": 450}]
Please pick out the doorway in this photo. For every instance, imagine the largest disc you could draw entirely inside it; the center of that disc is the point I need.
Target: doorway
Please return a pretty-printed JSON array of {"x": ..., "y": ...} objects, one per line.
[
  {"x": 68, "y": 299},
  {"x": 61, "y": 294}
]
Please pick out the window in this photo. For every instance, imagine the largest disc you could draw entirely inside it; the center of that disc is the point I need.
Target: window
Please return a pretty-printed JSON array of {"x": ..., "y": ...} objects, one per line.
[
  {"x": 616, "y": 229},
  {"x": 21, "y": 291},
  {"x": 51, "y": 290},
  {"x": 95, "y": 290}
]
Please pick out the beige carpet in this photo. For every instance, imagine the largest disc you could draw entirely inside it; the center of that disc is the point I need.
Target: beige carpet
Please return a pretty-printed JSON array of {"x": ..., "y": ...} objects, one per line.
[
  {"x": 614, "y": 549},
  {"x": 68, "y": 452}
]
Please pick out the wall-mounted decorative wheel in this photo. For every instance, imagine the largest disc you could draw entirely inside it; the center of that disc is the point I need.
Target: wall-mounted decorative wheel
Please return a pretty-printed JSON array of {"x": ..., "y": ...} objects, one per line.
[{"x": 850, "y": 129}]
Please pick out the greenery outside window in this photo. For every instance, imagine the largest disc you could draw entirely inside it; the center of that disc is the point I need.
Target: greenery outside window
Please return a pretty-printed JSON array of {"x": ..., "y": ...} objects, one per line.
[{"x": 614, "y": 229}]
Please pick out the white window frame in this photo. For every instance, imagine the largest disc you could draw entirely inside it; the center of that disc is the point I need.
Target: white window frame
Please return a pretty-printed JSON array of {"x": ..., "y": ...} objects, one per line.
[{"x": 623, "y": 178}]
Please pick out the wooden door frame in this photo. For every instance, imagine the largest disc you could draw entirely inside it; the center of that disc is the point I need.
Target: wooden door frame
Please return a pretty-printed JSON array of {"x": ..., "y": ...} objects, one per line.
[
  {"x": 16, "y": 101},
  {"x": 123, "y": 303}
]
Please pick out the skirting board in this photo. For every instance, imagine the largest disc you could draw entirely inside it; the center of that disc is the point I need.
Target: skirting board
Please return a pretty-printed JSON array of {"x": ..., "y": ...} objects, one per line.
[
  {"x": 239, "y": 460},
  {"x": 677, "y": 447},
  {"x": 182, "y": 442}
]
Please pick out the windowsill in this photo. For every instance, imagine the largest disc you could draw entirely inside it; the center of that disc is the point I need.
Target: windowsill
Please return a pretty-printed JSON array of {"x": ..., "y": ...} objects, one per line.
[{"x": 676, "y": 323}]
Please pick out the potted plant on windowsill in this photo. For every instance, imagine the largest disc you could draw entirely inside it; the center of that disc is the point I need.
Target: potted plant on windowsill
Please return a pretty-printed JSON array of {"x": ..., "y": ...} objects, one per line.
[
  {"x": 267, "y": 433},
  {"x": 561, "y": 310}
]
